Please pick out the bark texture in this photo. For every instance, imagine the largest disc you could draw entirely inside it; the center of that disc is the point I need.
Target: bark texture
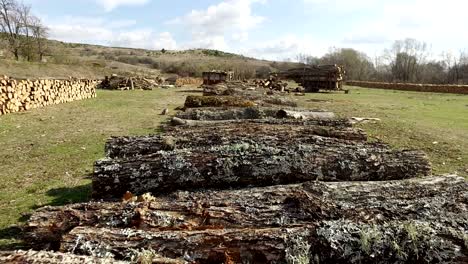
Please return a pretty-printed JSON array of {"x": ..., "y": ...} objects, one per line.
[
  {"x": 329, "y": 242},
  {"x": 194, "y": 101},
  {"x": 233, "y": 113},
  {"x": 203, "y": 137},
  {"x": 317, "y": 122},
  {"x": 442, "y": 200},
  {"x": 268, "y": 245},
  {"x": 45, "y": 257},
  {"x": 250, "y": 163}
]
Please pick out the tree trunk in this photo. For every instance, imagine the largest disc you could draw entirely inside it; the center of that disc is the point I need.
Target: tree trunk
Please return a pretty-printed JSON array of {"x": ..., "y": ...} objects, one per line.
[
  {"x": 210, "y": 114},
  {"x": 440, "y": 200},
  {"x": 245, "y": 163},
  {"x": 318, "y": 122},
  {"x": 45, "y": 257},
  {"x": 203, "y": 137},
  {"x": 268, "y": 245},
  {"x": 236, "y": 101}
]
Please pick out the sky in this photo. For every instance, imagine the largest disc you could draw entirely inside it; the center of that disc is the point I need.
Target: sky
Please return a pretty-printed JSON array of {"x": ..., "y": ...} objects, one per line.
[{"x": 265, "y": 29}]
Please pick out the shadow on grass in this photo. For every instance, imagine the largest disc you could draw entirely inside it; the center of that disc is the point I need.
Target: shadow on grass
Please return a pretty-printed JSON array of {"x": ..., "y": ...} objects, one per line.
[
  {"x": 190, "y": 91},
  {"x": 10, "y": 239},
  {"x": 64, "y": 196}
]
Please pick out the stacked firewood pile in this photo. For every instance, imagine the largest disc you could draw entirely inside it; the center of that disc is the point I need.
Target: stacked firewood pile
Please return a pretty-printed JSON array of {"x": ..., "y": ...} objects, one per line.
[
  {"x": 23, "y": 95},
  {"x": 255, "y": 184},
  {"x": 433, "y": 88},
  {"x": 314, "y": 78},
  {"x": 115, "y": 82},
  {"x": 272, "y": 83},
  {"x": 189, "y": 81}
]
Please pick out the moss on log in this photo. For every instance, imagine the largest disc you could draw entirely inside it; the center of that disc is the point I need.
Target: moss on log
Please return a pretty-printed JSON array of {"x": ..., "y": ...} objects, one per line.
[
  {"x": 250, "y": 163},
  {"x": 45, "y": 257},
  {"x": 220, "y": 134},
  {"x": 210, "y": 114},
  {"x": 194, "y": 101},
  {"x": 440, "y": 200}
]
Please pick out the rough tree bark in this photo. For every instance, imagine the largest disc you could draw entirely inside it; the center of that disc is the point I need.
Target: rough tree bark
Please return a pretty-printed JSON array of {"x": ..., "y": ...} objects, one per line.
[
  {"x": 203, "y": 137},
  {"x": 45, "y": 257},
  {"x": 233, "y": 113},
  {"x": 329, "y": 242},
  {"x": 318, "y": 122},
  {"x": 236, "y": 101},
  {"x": 440, "y": 200},
  {"x": 266, "y": 245},
  {"x": 246, "y": 163}
]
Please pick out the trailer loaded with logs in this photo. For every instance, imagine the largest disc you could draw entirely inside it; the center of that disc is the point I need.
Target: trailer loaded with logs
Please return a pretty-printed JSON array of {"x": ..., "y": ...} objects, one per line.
[
  {"x": 235, "y": 182},
  {"x": 316, "y": 78}
]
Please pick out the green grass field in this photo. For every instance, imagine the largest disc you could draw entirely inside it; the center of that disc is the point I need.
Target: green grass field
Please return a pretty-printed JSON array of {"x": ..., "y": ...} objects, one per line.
[{"x": 47, "y": 154}]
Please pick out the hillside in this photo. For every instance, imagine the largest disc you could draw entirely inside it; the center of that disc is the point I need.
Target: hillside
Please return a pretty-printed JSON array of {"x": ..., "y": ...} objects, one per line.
[{"x": 65, "y": 60}]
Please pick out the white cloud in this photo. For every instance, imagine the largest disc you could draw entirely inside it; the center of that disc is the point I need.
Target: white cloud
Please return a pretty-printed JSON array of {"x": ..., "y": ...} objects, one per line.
[
  {"x": 436, "y": 22},
  {"x": 108, "y": 32},
  {"x": 110, "y": 5},
  {"x": 229, "y": 20},
  {"x": 287, "y": 47}
]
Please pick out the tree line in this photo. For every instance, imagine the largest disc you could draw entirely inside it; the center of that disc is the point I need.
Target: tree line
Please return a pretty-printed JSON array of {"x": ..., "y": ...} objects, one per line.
[
  {"x": 407, "y": 61},
  {"x": 24, "y": 33}
]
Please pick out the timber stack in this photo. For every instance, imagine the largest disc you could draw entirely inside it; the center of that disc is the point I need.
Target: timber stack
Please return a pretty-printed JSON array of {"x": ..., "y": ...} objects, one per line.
[
  {"x": 22, "y": 95},
  {"x": 243, "y": 183},
  {"x": 315, "y": 78},
  {"x": 115, "y": 82}
]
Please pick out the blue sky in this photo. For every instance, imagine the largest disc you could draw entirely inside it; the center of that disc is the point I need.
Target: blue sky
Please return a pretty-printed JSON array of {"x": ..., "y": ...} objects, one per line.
[{"x": 270, "y": 29}]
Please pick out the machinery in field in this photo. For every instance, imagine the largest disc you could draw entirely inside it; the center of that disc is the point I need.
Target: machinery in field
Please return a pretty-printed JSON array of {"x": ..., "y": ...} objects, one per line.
[{"x": 316, "y": 78}]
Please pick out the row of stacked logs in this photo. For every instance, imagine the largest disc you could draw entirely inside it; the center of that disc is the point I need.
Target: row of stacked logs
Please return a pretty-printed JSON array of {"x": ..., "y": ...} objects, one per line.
[
  {"x": 259, "y": 185},
  {"x": 23, "y": 95},
  {"x": 433, "y": 88}
]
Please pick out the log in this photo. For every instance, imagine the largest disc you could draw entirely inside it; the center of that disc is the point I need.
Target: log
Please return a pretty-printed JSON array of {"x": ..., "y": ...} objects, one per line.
[
  {"x": 441, "y": 199},
  {"x": 288, "y": 114},
  {"x": 246, "y": 163},
  {"x": 318, "y": 122},
  {"x": 212, "y": 114},
  {"x": 267, "y": 245},
  {"x": 207, "y": 137},
  {"x": 330, "y": 242},
  {"x": 235, "y": 101},
  {"x": 45, "y": 257}
]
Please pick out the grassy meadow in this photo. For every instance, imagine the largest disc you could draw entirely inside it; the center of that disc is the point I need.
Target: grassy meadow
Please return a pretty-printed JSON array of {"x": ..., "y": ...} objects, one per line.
[{"x": 47, "y": 154}]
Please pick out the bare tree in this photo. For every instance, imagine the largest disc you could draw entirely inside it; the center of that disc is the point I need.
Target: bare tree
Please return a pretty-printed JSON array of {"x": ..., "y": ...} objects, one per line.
[
  {"x": 10, "y": 25},
  {"x": 405, "y": 57},
  {"x": 26, "y": 40},
  {"x": 24, "y": 32},
  {"x": 40, "y": 34}
]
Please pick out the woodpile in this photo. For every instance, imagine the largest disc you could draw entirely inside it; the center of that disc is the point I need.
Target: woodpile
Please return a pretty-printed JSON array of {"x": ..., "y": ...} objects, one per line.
[
  {"x": 129, "y": 83},
  {"x": 23, "y": 95},
  {"x": 433, "y": 88},
  {"x": 188, "y": 81},
  {"x": 314, "y": 78},
  {"x": 273, "y": 83},
  {"x": 260, "y": 185}
]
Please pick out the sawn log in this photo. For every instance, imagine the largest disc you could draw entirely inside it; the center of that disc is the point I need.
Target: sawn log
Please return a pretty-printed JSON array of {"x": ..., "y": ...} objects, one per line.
[
  {"x": 220, "y": 134},
  {"x": 254, "y": 163},
  {"x": 441, "y": 199}
]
